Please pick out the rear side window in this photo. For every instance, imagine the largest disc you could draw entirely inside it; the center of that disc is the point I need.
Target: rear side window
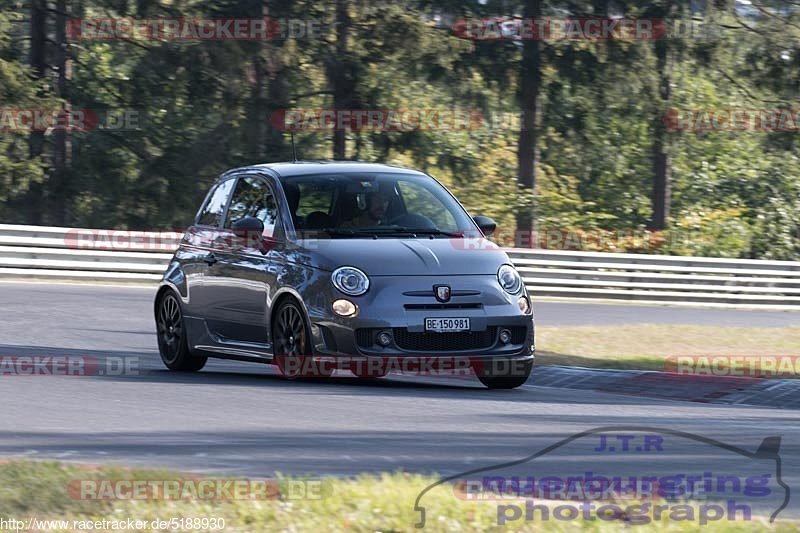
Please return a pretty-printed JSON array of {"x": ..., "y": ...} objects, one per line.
[
  {"x": 215, "y": 207},
  {"x": 253, "y": 198}
]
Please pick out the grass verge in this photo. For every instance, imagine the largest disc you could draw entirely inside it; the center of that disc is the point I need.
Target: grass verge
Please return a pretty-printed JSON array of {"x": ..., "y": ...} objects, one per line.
[
  {"x": 366, "y": 503},
  {"x": 646, "y": 346}
]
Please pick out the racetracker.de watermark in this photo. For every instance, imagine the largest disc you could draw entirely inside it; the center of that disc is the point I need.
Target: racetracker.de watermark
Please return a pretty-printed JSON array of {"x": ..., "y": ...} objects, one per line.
[
  {"x": 409, "y": 119},
  {"x": 193, "y": 29},
  {"x": 202, "y": 489},
  {"x": 68, "y": 365},
  {"x": 72, "y": 120},
  {"x": 460, "y": 366},
  {"x": 732, "y": 119},
  {"x": 102, "y": 239},
  {"x": 562, "y": 239},
  {"x": 753, "y": 366},
  {"x": 559, "y": 29}
]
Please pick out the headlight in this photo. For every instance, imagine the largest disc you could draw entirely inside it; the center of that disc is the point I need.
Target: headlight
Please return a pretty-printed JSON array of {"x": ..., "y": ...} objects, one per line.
[
  {"x": 350, "y": 281},
  {"x": 509, "y": 279}
]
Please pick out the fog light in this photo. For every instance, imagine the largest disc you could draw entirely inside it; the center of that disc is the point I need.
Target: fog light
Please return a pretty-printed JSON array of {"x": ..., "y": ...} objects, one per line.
[
  {"x": 384, "y": 338},
  {"x": 344, "y": 308},
  {"x": 524, "y": 304},
  {"x": 505, "y": 336}
]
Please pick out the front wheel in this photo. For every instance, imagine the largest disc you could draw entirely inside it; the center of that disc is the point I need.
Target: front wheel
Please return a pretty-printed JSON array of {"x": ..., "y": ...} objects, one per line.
[
  {"x": 292, "y": 344},
  {"x": 504, "y": 374},
  {"x": 172, "y": 343}
]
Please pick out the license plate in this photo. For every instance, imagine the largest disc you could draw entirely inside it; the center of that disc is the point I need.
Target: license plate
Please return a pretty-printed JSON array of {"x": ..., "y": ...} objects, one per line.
[{"x": 446, "y": 324}]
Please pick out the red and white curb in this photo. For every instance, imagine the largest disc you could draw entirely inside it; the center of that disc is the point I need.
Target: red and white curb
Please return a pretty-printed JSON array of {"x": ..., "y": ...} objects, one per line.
[{"x": 780, "y": 393}]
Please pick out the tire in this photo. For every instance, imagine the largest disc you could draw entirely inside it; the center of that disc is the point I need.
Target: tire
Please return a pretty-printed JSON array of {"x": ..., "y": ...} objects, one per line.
[
  {"x": 292, "y": 344},
  {"x": 505, "y": 379},
  {"x": 171, "y": 334}
]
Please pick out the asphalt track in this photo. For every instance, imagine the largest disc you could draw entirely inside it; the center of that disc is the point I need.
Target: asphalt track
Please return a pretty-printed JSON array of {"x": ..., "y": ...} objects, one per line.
[{"x": 243, "y": 419}]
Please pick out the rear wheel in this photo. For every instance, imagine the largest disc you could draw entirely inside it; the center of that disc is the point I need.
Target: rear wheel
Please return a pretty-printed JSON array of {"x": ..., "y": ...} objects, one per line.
[
  {"x": 292, "y": 344},
  {"x": 172, "y": 343},
  {"x": 506, "y": 375}
]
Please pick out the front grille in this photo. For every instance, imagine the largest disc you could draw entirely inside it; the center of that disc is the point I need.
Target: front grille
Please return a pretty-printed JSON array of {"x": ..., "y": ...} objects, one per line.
[
  {"x": 440, "y": 342},
  {"x": 444, "y": 342},
  {"x": 453, "y": 293},
  {"x": 426, "y": 307}
]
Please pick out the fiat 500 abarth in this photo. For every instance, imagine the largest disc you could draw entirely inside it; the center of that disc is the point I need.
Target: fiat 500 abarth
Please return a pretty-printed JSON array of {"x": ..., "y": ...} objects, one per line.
[{"x": 326, "y": 262}]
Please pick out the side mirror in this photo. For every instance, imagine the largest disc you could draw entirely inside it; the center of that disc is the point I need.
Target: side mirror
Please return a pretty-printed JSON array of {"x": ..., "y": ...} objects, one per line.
[
  {"x": 486, "y": 224},
  {"x": 251, "y": 229}
]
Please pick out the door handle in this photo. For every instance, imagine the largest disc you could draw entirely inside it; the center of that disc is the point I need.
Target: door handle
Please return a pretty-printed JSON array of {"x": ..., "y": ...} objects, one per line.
[{"x": 210, "y": 259}]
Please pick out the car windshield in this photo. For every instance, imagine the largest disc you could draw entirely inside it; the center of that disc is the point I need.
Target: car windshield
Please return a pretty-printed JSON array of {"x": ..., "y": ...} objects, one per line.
[{"x": 373, "y": 205}]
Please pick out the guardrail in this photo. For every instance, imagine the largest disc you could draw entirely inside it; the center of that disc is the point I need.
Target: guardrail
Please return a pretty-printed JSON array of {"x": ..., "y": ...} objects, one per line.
[
  {"x": 124, "y": 256},
  {"x": 660, "y": 278},
  {"x": 43, "y": 252}
]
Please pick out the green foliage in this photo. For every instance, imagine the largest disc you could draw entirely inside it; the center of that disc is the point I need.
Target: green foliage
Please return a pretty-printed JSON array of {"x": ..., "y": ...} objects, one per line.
[
  {"x": 18, "y": 172},
  {"x": 380, "y": 502},
  {"x": 206, "y": 106}
]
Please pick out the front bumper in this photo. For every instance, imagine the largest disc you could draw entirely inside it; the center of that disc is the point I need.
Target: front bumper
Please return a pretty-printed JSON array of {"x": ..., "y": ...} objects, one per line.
[{"x": 399, "y": 305}]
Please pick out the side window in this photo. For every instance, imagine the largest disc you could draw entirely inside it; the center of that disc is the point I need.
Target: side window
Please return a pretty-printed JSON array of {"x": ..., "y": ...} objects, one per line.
[
  {"x": 420, "y": 201},
  {"x": 215, "y": 207},
  {"x": 253, "y": 198},
  {"x": 315, "y": 197}
]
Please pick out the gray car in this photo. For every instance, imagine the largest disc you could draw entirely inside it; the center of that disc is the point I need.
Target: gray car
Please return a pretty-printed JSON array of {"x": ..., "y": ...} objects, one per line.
[{"x": 319, "y": 266}]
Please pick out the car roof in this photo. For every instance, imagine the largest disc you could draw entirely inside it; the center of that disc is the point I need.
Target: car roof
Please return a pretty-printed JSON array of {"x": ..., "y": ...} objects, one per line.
[{"x": 305, "y": 168}]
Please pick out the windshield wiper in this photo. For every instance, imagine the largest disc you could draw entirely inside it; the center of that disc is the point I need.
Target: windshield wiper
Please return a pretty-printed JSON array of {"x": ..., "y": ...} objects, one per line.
[
  {"x": 431, "y": 231},
  {"x": 388, "y": 230},
  {"x": 393, "y": 229},
  {"x": 417, "y": 231},
  {"x": 348, "y": 232}
]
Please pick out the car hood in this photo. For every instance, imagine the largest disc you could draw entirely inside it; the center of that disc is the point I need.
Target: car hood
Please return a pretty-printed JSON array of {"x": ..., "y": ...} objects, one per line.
[{"x": 406, "y": 257}]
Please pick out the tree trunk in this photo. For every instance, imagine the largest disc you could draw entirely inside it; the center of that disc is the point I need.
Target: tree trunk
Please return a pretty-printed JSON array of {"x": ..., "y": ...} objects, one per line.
[
  {"x": 269, "y": 95},
  {"x": 662, "y": 166},
  {"x": 38, "y": 37},
  {"x": 59, "y": 189},
  {"x": 258, "y": 117},
  {"x": 38, "y": 62},
  {"x": 277, "y": 99},
  {"x": 528, "y": 96},
  {"x": 341, "y": 85}
]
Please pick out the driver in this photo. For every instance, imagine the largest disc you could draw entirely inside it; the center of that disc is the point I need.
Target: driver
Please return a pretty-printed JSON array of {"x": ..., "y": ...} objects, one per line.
[{"x": 374, "y": 214}]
